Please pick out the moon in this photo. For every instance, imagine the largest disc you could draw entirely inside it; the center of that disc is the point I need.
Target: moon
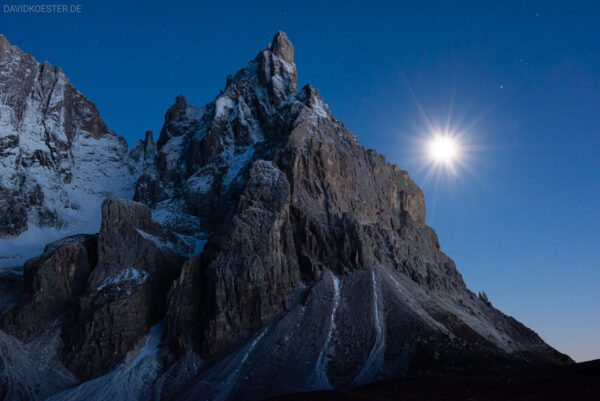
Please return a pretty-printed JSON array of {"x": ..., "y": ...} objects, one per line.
[{"x": 443, "y": 150}]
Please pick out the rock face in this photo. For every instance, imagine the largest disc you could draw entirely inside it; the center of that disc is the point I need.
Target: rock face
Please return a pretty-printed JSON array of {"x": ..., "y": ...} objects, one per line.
[
  {"x": 52, "y": 281},
  {"x": 265, "y": 252},
  {"x": 104, "y": 291},
  {"x": 58, "y": 159},
  {"x": 126, "y": 291}
]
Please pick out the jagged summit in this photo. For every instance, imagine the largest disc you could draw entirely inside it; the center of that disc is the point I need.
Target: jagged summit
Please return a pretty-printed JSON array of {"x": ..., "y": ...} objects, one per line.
[
  {"x": 15, "y": 51},
  {"x": 210, "y": 147},
  {"x": 265, "y": 252}
]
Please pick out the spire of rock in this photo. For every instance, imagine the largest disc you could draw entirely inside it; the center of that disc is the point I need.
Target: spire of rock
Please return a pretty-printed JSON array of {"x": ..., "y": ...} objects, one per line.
[
  {"x": 148, "y": 139},
  {"x": 282, "y": 47},
  {"x": 175, "y": 113},
  {"x": 277, "y": 70}
]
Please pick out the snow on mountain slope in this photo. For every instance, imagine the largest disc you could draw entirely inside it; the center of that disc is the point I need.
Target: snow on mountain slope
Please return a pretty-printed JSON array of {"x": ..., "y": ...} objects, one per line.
[{"x": 58, "y": 159}]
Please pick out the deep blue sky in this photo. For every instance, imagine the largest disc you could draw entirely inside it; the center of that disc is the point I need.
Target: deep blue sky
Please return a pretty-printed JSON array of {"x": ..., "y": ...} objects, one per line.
[{"x": 522, "y": 221}]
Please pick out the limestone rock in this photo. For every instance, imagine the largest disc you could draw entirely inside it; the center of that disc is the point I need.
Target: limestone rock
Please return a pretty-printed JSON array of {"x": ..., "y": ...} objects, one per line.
[
  {"x": 126, "y": 290},
  {"x": 52, "y": 283}
]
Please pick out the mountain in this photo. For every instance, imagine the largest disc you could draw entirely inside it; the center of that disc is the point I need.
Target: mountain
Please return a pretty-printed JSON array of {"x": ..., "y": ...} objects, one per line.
[
  {"x": 264, "y": 252},
  {"x": 58, "y": 159}
]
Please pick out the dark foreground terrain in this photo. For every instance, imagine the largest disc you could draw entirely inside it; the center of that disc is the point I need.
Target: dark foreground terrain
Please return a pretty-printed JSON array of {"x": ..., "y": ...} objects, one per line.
[{"x": 566, "y": 383}]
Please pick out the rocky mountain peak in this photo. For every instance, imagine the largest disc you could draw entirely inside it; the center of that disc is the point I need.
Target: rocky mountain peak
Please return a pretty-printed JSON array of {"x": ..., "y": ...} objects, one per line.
[
  {"x": 58, "y": 159},
  {"x": 272, "y": 69},
  {"x": 282, "y": 47}
]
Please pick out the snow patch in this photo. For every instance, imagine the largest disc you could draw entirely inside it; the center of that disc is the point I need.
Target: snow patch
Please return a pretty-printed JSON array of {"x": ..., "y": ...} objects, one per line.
[
  {"x": 200, "y": 184},
  {"x": 153, "y": 341},
  {"x": 171, "y": 214},
  {"x": 127, "y": 276},
  {"x": 163, "y": 244},
  {"x": 173, "y": 151},
  {"x": 373, "y": 363},
  {"x": 320, "y": 373},
  {"x": 320, "y": 107},
  {"x": 14, "y": 252},
  {"x": 237, "y": 163},
  {"x": 230, "y": 382},
  {"x": 223, "y": 105}
]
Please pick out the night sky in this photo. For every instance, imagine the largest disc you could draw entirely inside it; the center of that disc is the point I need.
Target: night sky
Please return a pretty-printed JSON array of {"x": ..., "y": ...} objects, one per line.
[{"x": 519, "y": 82}]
